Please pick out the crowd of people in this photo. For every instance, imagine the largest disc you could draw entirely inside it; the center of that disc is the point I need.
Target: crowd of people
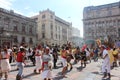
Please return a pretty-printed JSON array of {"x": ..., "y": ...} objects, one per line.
[{"x": 45, "y": 58}]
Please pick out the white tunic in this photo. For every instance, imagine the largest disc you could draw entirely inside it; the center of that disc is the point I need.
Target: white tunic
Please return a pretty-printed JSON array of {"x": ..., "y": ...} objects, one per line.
[
  {"x": 47, "y": 73},
  {"x": 87, "y": 53},
  {"x": 5, "y": 66},
  {"x": 38, "y": 60},
  {"x": 106, "y": 62}
]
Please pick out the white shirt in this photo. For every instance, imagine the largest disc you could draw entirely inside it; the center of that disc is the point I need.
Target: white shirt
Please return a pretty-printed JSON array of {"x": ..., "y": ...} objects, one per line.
[
  {"x": 9, "y": 51},
  {"x": 87, "y": 52},
  {"x": 104, "y": 53}
]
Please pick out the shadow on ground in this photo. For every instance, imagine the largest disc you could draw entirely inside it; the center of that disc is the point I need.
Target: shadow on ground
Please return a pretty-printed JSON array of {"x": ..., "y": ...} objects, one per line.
[
  {"x": 32, "y": 74},
  {"x": 29, "y": 66},
  {"x": 106, "y": 79},
  {"x": 79, "y": 68},
  {"x": 13, "y": 70},
  {"x": 58, "y": 78},
  {"x": 97, "y": 73}
]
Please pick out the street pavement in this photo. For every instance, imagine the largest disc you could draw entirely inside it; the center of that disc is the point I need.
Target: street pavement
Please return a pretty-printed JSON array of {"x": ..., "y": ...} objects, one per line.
[{"x": 91, "y": 72}]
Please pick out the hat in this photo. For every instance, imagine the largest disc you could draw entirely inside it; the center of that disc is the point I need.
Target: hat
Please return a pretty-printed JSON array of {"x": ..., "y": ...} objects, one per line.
[
  {"x": 47, "y": 48},
  {"x": 21, "y": 47}
]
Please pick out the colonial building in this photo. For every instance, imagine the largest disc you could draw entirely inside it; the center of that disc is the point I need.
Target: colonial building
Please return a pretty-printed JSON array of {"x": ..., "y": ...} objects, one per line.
[
  {"x": 101, "y": 21},
  {"x": 16, "y": 29},
  {"x": 52, "y": 29},
  {"x": 75, "y": 32},
  {"x": 76, "y": 39}
]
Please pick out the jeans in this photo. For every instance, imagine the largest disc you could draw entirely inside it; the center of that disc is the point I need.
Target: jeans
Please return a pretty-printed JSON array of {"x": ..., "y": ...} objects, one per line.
[{"x": 20, "y": 67}]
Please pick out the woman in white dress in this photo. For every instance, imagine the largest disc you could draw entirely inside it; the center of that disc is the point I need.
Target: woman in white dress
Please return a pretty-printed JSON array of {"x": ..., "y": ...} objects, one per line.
[
  {"x": 5, "y": 66},
  {"x": 38, "y": 59}
]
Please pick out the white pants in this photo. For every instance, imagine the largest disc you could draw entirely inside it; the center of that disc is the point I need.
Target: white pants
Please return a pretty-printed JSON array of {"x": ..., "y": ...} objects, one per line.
[
  {"x": 47, "y": 74},
  {"x": 64, "y": 62},
  {"x": 38, "y": 62},
  {"x": 106, "y": 66}
]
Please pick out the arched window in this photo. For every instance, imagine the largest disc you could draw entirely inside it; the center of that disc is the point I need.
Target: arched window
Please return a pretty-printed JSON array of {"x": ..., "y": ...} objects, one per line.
[
  {"x": 23, "y": 40},
  {"x": 30, "y": 41},
  {"x": 43, "y": 27},
  {"x": 15, "y": 39},
  {"x": 23, "y": 28}
]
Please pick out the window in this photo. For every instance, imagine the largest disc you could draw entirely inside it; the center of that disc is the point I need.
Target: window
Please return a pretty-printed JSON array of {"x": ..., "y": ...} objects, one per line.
[
  {"x": 30, "y": 41},
  {"x": 43, "y": 35},
  {"x": 51, "y": 17},
  {"x": 98, "y": 13},
  {"x": 0, "y": 19},
  {"x": 43, "y": 16},
  {"x": 51, "y": 26},
  {"x": 23, "y": 28},
  {"x": 56, "y": 28},
  {"x": 15, "y": 28},
  {"x": 118, "y": 22},
  {"x": 109, "y": 13},
  {"x": 30, "y": 30},
  {"x": 51, "y": 34},
  {"x": 6, "y": 22},
  {"x": 36, "y": 19},
  {"x": 59, "y": 36},
  {"x": 43, "y": 27},
  {"x": 119, "y": 32},
  {"x": 15, "y": 25},
  {"x": 23, "y": 39},
  {"x": 56, "y": 36},
  {"x": 15, "y": 39},
  {"x": 103, "y": 23},
  {"x": 114, "y": 23}
]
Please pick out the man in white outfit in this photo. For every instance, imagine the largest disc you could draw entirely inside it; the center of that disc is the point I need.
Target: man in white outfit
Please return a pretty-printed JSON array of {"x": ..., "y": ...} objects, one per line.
[
  {"x": 47, "y": 65},
  {"x": 106, "y": 63}
]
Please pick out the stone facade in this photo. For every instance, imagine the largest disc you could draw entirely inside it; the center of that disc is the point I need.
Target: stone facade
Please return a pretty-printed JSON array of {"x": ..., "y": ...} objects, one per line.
[
  {"x": 16, "y": 29},
  {"x": 52, "y": 29},
  {"x": 75, "y": 32},
  {"x": 76, "y": 39},
  {"x": 101, "y": 21}
]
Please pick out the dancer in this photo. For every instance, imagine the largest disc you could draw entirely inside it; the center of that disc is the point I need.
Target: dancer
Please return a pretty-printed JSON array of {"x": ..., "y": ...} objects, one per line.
[
  {"x": 5, "y": 65},
  {"x": 47, "y": 65},
  {"x": 20, "y": 62},
  {"x": 106, "y": 63},
  {"x": 38, "y": 59}
]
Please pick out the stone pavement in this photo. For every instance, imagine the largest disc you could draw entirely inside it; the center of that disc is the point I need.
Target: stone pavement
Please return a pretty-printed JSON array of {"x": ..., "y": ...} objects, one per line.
[{"x": 91, "y": 72}]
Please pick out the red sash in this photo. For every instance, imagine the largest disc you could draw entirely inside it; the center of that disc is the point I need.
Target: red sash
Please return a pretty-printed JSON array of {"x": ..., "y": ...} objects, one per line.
[{"x": 43, "y": 64}]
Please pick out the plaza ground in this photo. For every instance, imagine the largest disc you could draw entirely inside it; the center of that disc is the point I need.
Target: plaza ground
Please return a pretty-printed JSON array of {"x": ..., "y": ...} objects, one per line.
[{"x": 91, "y": 72}]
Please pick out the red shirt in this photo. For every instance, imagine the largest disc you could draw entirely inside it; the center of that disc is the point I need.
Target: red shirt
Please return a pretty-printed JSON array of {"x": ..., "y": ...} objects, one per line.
[
  {"x": 20, "y": 56},
  {"x": 63, "y": 54}
]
